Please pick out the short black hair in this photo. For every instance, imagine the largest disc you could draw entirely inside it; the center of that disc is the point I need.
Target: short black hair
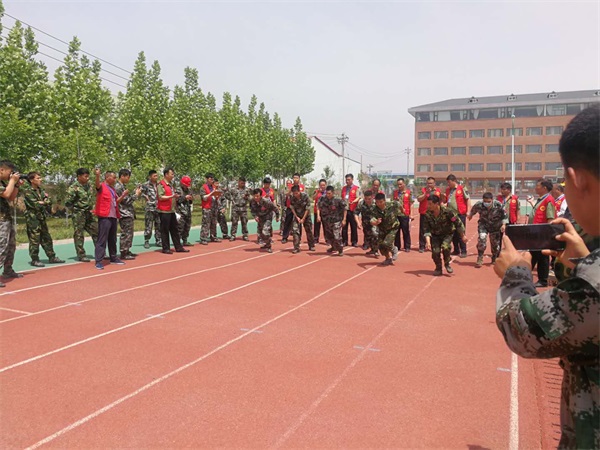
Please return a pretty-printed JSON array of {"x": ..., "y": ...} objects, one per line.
[
  {"x": 82, "y": 171},
  {"x": 167, "y": 170},
  {"x": 209, "y": 175},
  {"x": 256, "y": 191},
  {"x": 451, "y": 177},
  {"x": 433, "y": 198},
  {"x": 266, "y": 180},
  {"x": 151, "y": 172},
  {"x": 349, "y": 175},
  {"x": 368, "y": 193},
  {"x": 546, "y": 183},
  {"x": 506, "y": 186},
  {"x": 215, "y": 180},
  {"x": 8, "y": 164},
  {"x": 400, "y": 179},
  {"x": 579, "y": 144},
  {"x": 32, "y": 175},
  {"x": 295, "y": 188},
  {"x": 560, "y": 187},
  {"x": 378, "y": 180},
  {"x": 124, "y": 173},
  {"x": 329, "y": 188},
  {"x": 380, "y": 196},
  {"x": 296, "y": 174},
  {"x": 241, "y": 179},
  {"x": 322, "y": 180},
  {"x": 488, "y": 195},
  {"x": 108, "y": 172}
]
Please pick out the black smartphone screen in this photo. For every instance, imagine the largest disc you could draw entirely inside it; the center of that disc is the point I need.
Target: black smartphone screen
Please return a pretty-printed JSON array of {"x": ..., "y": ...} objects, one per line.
[{"x": 536, "y": 237}]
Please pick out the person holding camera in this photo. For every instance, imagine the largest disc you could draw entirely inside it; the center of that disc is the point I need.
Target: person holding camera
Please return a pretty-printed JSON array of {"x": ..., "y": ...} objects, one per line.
[
  {"x": 9, "y": 189},
  {"x": 81, "y": 200},
  {"x": 563, "y": 322},
  {"x": 37, "y": 204}
]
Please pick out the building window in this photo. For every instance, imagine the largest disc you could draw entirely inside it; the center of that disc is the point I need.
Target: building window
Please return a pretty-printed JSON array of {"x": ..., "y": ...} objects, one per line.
[
  {"x": 551, "y": 148},
  {"x": 440, "y": 135},
  {"x": 440, "y": 167},
  {"x": 529, "y": 111},
  {"x": 553, "y": 165},
  {"x": 556, "y": 110},
  {"x": 494, "y": 149},
  {"x": 554, "y": 131},
  {"x": 459, "y": 134},
  {"x": 476, "y": 133},
  {"x": 475, "y": 150},
  {"x": 495, "y": 132},
  {"x": 457, "y": 167},
  {"x": 518, "y": 149},
  {"x": 574, "y": 109},
  {"x": 534, "y": 131},
  {"x": 518, "y": 132},
  {"x": 423, "y": 117},
  {"x": 518, "y": 166},
  {"x": 533, "y": 166},
  {"x": 494, "y": 167},
  {"x": 533, "y": 149},
  {"x": 424, "y": 151},
  {"x": 488, "y": 114},
  {"x": 476, "y": 167},
  {"x": 423, "y": 167},
  {"x": 424, "y": 135},
  {"x": 459, "y": 150},
  {"x": 438, "y": 151}
]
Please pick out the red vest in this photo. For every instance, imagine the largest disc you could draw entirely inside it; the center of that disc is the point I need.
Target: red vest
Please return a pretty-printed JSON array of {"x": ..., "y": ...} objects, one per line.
[
  {"x": 351, "y": 197},
  {"x": 461, "y": 201},
  {"x": 270, "y": 194},
  {"x": 103, "y": 199},
  {"x": 540, "y": 211},
  {"x": 513, "y": 207},
  {"x": 207, "y": 204},
  {"x": 406, "y": 203},
  {"x": 558, "y": 202},
  {"x": 423, "y": 204},
  {"x": 165, "y": 205},
  {"x": 319, "y": 195}
]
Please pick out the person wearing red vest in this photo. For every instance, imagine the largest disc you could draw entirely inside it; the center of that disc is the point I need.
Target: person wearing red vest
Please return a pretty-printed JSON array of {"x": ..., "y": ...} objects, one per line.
[
  {"x": 167, "y": 203},
  {"x": 208, "y": 231},
  {"x": 318, "y": 194},
  {"x": 428, "y": 190},
  {"x": 457, "y": 198},
  {"x": 376, "y": 187},
  {"x": 351, "y": 194},
  {"x": 558, "y": 192},
  {"x": 404, "y": 197},
  {"x": 107, "y": 211},
  {"x": 543, "y": 211},
  {"x": 510, "y": 203},
  {"x": 288, "y": 217}
]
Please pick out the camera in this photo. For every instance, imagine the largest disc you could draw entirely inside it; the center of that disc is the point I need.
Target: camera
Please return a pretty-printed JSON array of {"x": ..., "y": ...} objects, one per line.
[{"x": 22, "y": 176}]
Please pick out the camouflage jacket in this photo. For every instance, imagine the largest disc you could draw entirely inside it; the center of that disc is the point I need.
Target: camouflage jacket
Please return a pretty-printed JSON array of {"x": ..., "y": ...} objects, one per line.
[
  {"x": 301, "y": 205},
  {"x": 239, "y": 198},
  {"x": 263, "y": 209},
  {"x": 282, "y": 197},
  {"x": 31, "y": 198},
  {"x": 491, "y": 218},
  {"x": 365, "y": 211},
  {"x": 126, "y": 207},
  {"x": 389, "y": 217},
  {"x": 332, "y": 209},
  {"x": 561, "y": 322},
  {"x": 184, "y": 206},
  {"x": 150, "y": 193},
  {"x": 5, "y": 208},
  {"x": 219, "y": 204},
  {"x": 444, "y": 224},
  {"x": 81, "y": 198}
]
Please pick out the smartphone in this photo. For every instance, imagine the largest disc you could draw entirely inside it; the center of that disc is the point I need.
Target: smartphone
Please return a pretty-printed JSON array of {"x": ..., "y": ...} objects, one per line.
[{"x": 534, "y": 237}]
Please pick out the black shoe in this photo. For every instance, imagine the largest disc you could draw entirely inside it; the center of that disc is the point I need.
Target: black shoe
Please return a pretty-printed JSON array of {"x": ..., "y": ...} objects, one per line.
[
  {"x": 407, "y": 250},
  {"x": 463, "y": 255},
  {"x": 117, "y": 261},
  {"x": 203, "y": 242},
  {"x": 449, "y": 269},
  {"x": 55, "y": 260},
  {"x": 421, "y": 250},
  {"x": 284, "y": 241},
  {"x": 437, "y": 272},
  {"x": 311, "y": 249},
  {"x": 388, "y": 262},
  {"x": 132, "y": 254},
  {"x": 365, "y": 247},
  {"x": 2, "y": 285},
  {"x": 296, "y": 250},
  {"x": 128, "y": 257},
  {"x": 245, "y": 238},
  {"x": 455, "y": 253},
  {"x": 355, "y": 245},
  {"x": 340, "y": 253},
  {"x": 215, "y": 240},
  {"x": 541, "y": 284},
  {"x": 232, "y": 238},
  {"x": 182, "y": 250},
  {"x": 146, "y": 244},
  {"x": 269, "y": 250},
  {"x": 187, "y": 244},
  {"x": 330, "y": 250},
  {"x": 167, "y": 252},
  {"x": 84, "y": 259},
  {"x": 37, "y": 264},
  {"x": 12, "y": 274}
]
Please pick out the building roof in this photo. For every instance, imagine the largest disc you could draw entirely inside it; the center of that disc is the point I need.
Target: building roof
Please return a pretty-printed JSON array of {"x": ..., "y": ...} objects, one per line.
[{"x": 546, "y": 98}]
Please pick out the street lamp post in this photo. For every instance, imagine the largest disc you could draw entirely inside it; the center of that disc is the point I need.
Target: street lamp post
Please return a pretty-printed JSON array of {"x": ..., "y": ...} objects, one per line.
[
  {"x": 512, "y": 156},
  {"x": 408, "y": 151}
]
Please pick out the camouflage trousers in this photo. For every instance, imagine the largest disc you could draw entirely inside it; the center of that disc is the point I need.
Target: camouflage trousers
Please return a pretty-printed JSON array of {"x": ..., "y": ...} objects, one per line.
[
  {"x": 495, "y": 240},
  {"x": 152, "y": 219},
  {"x": 222, "y": 221},
  {"x": 84, "y": 221},
  {"x": 38, "y": 234},
  {"x": 371, "y": 234},
  {"x": 297, "y": 229},
  {"x": 386, "y": 241},
  {"x": 333, "y": 234},
  {"x": 126, "y": 238},
  {"x": 242, "y": 217},
  {"x": 8, "y": 245},
  {"x": 440, "y": 245},
  {"x": 264, "y": 230},
  {"x": 183, "y": 225},
  {"x": 209, "y": 225}
]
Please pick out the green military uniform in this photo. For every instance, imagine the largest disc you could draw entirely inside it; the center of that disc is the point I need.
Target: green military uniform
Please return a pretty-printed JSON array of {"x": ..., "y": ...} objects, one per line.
[
  {"x": 8, "y": 238},
  {"x": 219, "y": 206},
  {"x": 151, "y": 216},
  {"x": 441, "y": 229},
  {"x": 491, "y": 219},
  {"x": 35, "y": 218},
  {"x": 184, "y": 209},
  {"x": 263, "y": 211},
  {"x": 126, "y": 222},
  {"x": 388, "y": 227},
  {"x": 82, "y": 199},
  {"x": 560, "y": 323},
  {"x": 331, "y": 211},
  {"x": 299, "y": 206},
  {"x": 371, "y": 232},
  {"x": 239, "y": 212}
]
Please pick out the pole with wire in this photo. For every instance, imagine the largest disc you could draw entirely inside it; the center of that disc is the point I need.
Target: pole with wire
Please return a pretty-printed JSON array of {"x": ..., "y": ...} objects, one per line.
[
  {"x": 408, "y": 151},
  {"x": 512, "y": 156},
  {"x": 342, "y": 140}
]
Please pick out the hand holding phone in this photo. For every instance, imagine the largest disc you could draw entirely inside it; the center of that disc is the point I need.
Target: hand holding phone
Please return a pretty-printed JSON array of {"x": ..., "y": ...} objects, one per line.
[{"x": 536, "y": 237}]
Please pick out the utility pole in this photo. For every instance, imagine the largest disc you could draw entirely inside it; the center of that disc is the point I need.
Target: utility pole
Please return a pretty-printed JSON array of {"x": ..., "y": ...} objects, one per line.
[
  {"x": 408, "y": 151},
  {"x": 370, "y": 166},
  {"x": 342, "y": 140}
]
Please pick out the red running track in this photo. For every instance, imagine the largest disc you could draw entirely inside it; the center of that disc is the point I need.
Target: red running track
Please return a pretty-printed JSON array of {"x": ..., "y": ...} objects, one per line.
[{"x": 230, "y": 347}]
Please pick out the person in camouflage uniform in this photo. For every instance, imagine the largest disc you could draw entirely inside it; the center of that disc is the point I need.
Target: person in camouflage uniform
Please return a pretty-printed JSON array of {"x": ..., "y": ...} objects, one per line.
[
  {"x": 239, "y": 197},
  {"x": 366, "y": 209},
  {"x": 385, "y": 218},
  {"x": 262, "y": 210},
  {"x": 300, "y": 207},
  {"x": 127, "y": 211},
  {"x": 440, "y": 224},
  {"x": 492, "y": 221},
  {"x": 151, "y": 216},
  {"x": 562, "y": 322},
  {"x": 37, "y": 204},
  {"x": 185, "y": 204},
  {"x": 219, "y": 207},
  {"x": 81, "y": 198},
  {"x": 332, "y": 214},
  {"x": 9, "y": 189}
]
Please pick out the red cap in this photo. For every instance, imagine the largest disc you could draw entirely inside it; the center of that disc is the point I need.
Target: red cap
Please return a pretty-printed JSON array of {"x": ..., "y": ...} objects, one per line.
[{"x": 186, "y": 181}]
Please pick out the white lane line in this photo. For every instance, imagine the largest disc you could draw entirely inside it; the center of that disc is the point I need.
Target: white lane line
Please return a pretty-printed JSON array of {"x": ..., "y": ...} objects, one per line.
[
  {"x": 154, "y": 283},
  {"x": 514, "y": 403},
  {"x": 16, "y": 311},
  {"x": 104, "y": 274},
  {"x": 196, "y": 361}
]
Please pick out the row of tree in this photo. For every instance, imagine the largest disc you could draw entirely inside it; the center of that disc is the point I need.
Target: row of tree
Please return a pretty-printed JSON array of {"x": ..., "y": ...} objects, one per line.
[{"x": 74, "y": 121}]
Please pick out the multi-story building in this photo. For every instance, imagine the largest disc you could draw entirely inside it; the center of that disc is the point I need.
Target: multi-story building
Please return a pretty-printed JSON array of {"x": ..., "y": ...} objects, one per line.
[{"x": 471, "y": 137}]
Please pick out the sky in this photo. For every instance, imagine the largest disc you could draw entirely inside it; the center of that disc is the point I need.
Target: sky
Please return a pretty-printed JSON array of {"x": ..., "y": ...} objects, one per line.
[{"x": 342, "y": 67}]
